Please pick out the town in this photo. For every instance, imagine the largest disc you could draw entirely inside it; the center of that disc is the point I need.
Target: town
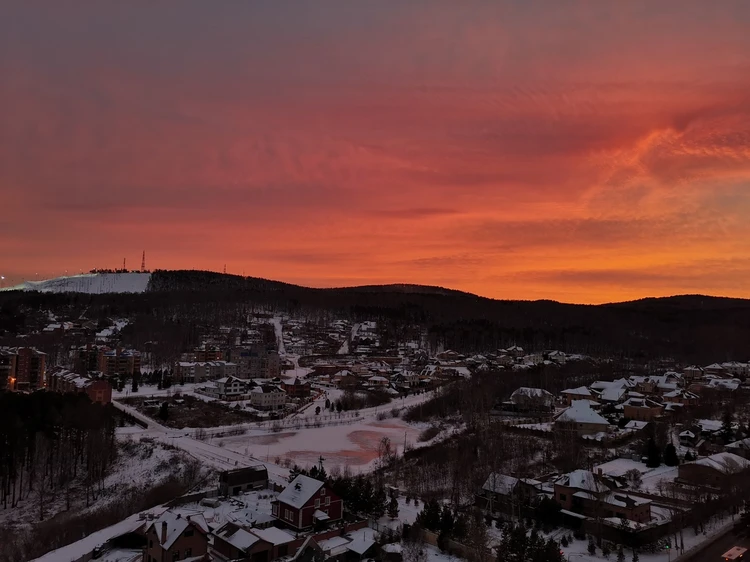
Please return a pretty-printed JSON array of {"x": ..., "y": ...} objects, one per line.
[{"x": 283, "y": 437}]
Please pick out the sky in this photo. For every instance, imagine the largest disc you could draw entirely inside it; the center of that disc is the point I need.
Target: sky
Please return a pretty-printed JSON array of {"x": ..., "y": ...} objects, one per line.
[{"x": 575, "y": 150}]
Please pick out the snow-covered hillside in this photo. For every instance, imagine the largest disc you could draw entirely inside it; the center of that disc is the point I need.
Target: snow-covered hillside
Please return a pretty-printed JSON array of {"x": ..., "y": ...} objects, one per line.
[{"x": 92, "y": 283}]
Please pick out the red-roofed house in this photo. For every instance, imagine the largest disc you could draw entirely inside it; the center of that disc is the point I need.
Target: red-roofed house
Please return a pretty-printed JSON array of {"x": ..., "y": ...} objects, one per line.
[
  {"x": 176, "y": 535},
  {"x": 307, "y": 501}
]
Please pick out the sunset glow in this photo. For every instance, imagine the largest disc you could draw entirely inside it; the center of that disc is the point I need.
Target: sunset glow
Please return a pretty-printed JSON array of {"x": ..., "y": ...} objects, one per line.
[{"x": 578, "y": 151}]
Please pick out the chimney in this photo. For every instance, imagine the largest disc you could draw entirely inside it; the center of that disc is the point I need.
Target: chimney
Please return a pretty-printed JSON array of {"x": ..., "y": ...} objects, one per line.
[
  {"x": 599, "y": 471},
  {"x": 163, "y": 532}
]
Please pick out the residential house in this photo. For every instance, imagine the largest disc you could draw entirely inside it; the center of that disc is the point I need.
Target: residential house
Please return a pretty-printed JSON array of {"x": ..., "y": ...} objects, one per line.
[
  {"x": 532, "y": 399},
  {"x": 691, "y": 436},
  {"x": 233, "y": 482},
  {"x": 502, "y": 490},
  {"x": 715, "y": 369},
  {"x": 580, "y": 418},
  {"x": 580, "y": 393},
  {"x": 737, "y": 369},
  {"x": 297, "y": 389},
  {"x": 176, "y": 535},
  {"x": 377, "y": 381},
  {"x": 558, "y": 357},
  {"x": 740, "y": 448},
  {"x": 682, "y": 397},
  {"x": 583, "y": 492},
  {"x": 721, "y": 470},
  {"x": 692, "y": 373},
  {"x": 728, "y": 385},
  {"x": 305, "y": 502},
  {"x": 228, "y": 388},
  {"x": 235, "y": 543},
  {"x": 267, "y": 397},
  {"x": 98, "y": 390},
  {"x": 516, "y": 351},
  {"x": 642, "y": 409}
]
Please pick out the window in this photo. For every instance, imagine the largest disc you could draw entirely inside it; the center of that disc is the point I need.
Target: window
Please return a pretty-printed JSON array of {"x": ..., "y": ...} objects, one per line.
[
  {"x": 317, "y": 504},
  {"x": 328, "y": 500},
  {"x": 176, "y": 555},
  {"x": 188, "y": 552},
  {"x": 322, "y": 491}
]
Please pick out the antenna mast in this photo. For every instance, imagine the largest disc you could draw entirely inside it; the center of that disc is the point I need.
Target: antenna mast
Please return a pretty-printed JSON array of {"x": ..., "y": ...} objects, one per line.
[
  {"x": 123, "y": 264},
  {"x": 143, "y": 262}
]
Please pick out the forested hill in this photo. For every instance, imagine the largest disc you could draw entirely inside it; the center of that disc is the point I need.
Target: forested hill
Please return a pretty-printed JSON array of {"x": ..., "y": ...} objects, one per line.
[{"x": 689, "y": 328}]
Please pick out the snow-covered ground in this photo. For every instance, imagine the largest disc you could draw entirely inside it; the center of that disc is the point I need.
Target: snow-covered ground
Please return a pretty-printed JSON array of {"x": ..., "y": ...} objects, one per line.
[
  {"x": 138, "y": 466},
  {"x": 653, "y": 478},
  {"x": 349, "y": 439},
  {"x": 91, "y": 283}
]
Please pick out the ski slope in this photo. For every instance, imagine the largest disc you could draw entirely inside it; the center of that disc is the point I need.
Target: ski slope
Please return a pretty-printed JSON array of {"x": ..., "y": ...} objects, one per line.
[{"x": 91, "y": 283}]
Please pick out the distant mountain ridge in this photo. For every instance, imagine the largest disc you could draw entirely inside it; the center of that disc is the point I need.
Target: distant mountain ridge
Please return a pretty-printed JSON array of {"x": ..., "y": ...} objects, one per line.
[
  {"x": 694, "y": 328},
  {"x": 200, "y": 280}
]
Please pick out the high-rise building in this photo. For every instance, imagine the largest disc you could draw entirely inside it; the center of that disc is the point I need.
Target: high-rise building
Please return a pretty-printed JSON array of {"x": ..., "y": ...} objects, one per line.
[
  {"x": 8, "y": 358},
  {"x": 31, "y": 368},
  {"x": 256, "y": 361}
]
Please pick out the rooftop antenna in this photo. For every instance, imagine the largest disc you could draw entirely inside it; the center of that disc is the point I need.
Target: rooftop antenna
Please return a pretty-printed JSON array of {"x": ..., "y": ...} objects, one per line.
[
  {"x": 143, "y": 262},
  {"x": 123, "y": 263}
]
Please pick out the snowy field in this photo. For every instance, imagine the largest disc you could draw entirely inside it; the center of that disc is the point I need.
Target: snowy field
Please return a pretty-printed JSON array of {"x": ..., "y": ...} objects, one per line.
[{"x": 91, "y": 283}]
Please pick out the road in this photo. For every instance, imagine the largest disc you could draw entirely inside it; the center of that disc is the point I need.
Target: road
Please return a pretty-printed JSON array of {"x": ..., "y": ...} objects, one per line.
[
  {"x": 208, "y": 453},
  {"x": 719, "y": 546}
]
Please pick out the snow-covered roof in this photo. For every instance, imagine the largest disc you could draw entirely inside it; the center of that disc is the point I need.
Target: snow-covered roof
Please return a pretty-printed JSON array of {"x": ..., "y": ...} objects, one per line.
[
  {"x": 613, "y": 394},
  {"x": 580, "y": 391},
  {"x": 725, "y": 462},
  {"x": 535, "y": 393},
  {"x": 625, "y": 500},
  {"x": 500, "y": 483},
  {"x": 636, "y": 424},
  {"x": 581, "y": 480},
  {"x": 581, "y": 413},
  {"x": 274, "y": 535},
  {"x": 238, "y": 538},
  {"x": 177, "y": 521},
  {"x": 300, "y": 491},
  {"x": 360, "y": 544}
]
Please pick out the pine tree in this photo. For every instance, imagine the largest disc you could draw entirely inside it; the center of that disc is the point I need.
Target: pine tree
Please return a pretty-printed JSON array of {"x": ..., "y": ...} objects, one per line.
[
  {"x": 134, "y": 387},
  {"x": 164, "y": 411},
  {"x": 635, "y": 556},
  {"x": 670, "y": 455},
  {"x": 393, "y": 507},
  {"x": 446, "y": 520},
  {"x": 620, "y": 554},
  {"x": 653, "y": 454}
]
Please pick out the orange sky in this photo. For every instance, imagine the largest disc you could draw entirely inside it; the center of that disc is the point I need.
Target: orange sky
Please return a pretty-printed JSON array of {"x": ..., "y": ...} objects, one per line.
[{"x": 579, "y": 151}]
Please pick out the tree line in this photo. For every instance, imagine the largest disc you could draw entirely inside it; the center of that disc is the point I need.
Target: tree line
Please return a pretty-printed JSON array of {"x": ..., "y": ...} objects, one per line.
[{"x": 48, "y": 442}]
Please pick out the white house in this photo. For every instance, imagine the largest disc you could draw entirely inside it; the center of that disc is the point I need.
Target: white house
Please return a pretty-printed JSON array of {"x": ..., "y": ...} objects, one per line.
[{"x": 267, "y": 397}]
